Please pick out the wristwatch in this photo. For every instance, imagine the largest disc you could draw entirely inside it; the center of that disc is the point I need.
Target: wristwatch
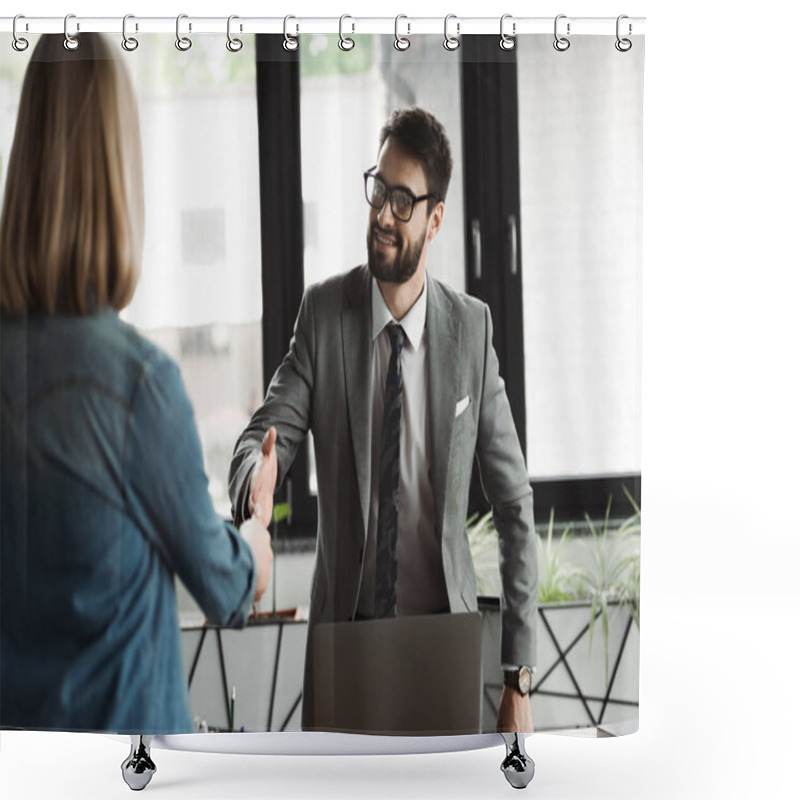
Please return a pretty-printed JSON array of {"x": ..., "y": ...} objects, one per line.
[{"x": 519, "y": 679}]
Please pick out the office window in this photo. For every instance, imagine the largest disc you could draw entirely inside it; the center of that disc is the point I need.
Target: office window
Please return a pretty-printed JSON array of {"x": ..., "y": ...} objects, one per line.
[
  {"x": 580, "y": 182},
  {"x": 202, "y": 238}
]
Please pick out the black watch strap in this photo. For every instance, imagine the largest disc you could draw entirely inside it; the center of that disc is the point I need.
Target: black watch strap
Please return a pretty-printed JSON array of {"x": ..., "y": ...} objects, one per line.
[{"x": 519, "y": 679}]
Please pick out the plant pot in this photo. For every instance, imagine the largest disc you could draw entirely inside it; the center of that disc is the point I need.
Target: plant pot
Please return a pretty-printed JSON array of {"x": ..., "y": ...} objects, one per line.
[{"x": 571, "y": 688}]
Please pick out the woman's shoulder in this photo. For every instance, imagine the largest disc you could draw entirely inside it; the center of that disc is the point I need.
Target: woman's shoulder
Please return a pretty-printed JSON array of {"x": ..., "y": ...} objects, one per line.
[
  {"x": 146, "y": 359},
  {"x": 96, "y": 349},
  {"x": 113, "y": 342},
  {"x": 135, "y": 344}
]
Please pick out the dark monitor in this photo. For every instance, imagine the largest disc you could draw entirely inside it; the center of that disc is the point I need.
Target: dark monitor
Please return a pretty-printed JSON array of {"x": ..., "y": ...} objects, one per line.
[{"x": 414, "y": 676}]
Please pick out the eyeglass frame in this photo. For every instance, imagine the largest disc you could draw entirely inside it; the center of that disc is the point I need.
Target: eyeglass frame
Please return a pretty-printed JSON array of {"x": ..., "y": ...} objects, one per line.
[{"x": 390, "y": 190}]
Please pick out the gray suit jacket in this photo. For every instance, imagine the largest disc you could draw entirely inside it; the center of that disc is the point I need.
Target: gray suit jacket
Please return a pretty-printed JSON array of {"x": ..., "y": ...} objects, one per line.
[{"x": 323, "y": 385}]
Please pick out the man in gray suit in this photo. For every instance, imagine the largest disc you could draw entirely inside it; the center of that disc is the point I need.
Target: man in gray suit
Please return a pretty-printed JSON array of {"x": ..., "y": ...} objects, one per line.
[{"x": 396, "y": 376}]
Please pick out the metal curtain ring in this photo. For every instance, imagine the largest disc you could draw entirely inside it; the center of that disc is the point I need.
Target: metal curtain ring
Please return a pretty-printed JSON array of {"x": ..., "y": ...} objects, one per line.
[
  {"x": 183, "y": 43},
  {"x": 451, "y": 42},
  {"x": 290, "y": 43},
  {"x": 507, "y": 42},
  {"x": 561, "y": 43},
  {"x": 345, "y": 42},
  {"x": 18, "y": 43},
  {"x": 234, "y": 45},
  {"x": 70, "y": 42},
  {"x": 623, "y": 45},
  {"x": 129, "y": 43},
  {"x": 401, "y": 42}
]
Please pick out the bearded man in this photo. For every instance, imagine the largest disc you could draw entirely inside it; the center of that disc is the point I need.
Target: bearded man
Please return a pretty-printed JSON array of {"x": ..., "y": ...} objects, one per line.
[{"x": 396, "y": 376}]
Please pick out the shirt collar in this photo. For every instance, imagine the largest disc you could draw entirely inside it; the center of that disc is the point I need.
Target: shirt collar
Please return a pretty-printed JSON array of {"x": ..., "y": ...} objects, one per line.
[{"x": 413, "y": 323}]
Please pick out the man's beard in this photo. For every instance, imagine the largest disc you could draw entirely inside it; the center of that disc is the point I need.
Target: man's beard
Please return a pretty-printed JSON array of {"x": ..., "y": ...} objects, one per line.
[{"x": 403, "y": 266}]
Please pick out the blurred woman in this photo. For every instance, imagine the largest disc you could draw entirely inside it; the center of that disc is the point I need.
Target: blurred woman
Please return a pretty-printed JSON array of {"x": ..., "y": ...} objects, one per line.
[{"x": 104, "y": 497}]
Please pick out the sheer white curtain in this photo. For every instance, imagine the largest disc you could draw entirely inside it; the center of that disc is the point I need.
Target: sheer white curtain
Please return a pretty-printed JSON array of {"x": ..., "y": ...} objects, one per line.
[{"x": 581, "y": 193}]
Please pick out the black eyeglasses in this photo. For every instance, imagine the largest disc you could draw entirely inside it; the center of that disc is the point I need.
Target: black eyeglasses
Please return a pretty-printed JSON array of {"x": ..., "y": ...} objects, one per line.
[{"x": 401, "y": 201}]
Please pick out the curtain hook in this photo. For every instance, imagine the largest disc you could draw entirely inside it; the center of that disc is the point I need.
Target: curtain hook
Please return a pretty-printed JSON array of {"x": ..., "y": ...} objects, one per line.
[
  {"x": 507, "y": 42},
  {"x": 234, "y": 45},
  {"x": 129, "y": 43},
  {"x": 345, "y": 42},
  {"x": 401, "y": 42},
  {"x": 289, "y": 42},
  {"x": 623, "y": 45},
  {"x": 70, "y": 42},
  {"x": 18, "y": 43},
  {"x": 183, "y": 43},
  {"x": 561, "y": 43},
  {"x": 451, "y": 42}
]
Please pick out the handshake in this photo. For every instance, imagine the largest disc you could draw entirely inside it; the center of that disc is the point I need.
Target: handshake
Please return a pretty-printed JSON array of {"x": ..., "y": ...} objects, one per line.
[{"x": 254, "y": 530}]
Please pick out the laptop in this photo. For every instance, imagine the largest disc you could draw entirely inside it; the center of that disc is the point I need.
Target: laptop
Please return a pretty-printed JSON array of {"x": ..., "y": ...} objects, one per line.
[{"x": 402, "y": 676}]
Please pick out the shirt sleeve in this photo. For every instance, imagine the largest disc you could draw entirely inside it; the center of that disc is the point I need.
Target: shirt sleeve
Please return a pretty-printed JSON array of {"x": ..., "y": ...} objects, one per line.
[{"x": 167, "y": 493}]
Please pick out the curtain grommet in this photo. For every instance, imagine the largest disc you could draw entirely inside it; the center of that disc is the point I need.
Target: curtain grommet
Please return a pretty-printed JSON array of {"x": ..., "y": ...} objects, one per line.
[
  {"x": 623, "y": 44},
  {"x": 290, "y": 43},
  {"x": 451, "y": 42},
  {"x": 19, "y": 43},
  {"x": 345, "y": 42},
  {"x": 561, "y": 43},
  {"x": 183, "y": 43},
  {"x": 401, "y": 43},
  {"x": 507, "y": 42},
  {"x": 129, "y": 43},
  {"x": 71, "y": 42},
  {"x": 233, "y": 44}
]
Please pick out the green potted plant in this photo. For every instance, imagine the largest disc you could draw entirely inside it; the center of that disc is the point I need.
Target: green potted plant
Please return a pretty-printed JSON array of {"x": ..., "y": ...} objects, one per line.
[
  {"x": 555, "y": 574},
  {"x": 611, "y": 571},
  {"x": 582, "y": 579}
]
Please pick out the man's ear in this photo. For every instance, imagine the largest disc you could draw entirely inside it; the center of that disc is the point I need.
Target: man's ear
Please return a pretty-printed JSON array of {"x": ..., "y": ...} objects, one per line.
[{"x": 435, "y": 221}]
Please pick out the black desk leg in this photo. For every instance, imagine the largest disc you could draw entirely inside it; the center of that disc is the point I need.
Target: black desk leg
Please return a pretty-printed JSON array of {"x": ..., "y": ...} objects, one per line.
[{"x": 138, "y": 768}]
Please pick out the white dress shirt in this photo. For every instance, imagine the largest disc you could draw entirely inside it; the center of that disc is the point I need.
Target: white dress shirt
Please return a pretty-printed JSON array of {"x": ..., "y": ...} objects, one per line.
[{"x": 420, "y": 577}]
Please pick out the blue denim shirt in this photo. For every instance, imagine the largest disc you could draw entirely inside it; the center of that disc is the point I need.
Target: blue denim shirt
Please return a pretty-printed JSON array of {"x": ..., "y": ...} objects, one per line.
[{"x": 104, "y": 500}]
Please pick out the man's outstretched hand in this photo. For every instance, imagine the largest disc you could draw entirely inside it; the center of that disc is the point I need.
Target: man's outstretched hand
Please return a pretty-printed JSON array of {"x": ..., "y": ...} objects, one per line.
[{"x": 262, "y": 482}]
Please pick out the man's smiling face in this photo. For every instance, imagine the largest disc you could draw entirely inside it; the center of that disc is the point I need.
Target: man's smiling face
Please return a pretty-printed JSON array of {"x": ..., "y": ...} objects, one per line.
[{"x": 395, "y": 248}]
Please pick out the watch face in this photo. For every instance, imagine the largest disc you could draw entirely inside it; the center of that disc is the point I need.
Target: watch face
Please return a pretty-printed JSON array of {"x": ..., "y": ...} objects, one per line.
[{"x": 524, "y": 680}]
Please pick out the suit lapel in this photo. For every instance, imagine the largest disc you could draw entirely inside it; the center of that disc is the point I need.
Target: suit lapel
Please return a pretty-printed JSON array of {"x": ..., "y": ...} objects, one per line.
[
  {"x": 444, "y": 353},
  {"x": 357, "y": 365}
]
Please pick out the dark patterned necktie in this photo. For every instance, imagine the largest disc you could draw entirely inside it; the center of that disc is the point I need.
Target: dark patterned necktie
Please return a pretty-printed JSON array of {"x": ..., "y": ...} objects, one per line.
[{"x": 386, "y": 545}]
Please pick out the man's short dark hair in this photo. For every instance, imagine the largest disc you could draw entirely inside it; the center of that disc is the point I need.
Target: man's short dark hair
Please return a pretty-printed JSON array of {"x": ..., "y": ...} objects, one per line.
[{"x": 423, "y": 136}]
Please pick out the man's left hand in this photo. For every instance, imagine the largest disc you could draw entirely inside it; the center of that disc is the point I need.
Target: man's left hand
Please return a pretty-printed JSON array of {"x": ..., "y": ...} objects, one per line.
[{"x": 514, "y": 715}]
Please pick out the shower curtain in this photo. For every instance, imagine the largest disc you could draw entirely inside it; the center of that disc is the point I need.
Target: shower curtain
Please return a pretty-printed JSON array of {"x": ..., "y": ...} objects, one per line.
[{"x": 255, "y": 160}]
